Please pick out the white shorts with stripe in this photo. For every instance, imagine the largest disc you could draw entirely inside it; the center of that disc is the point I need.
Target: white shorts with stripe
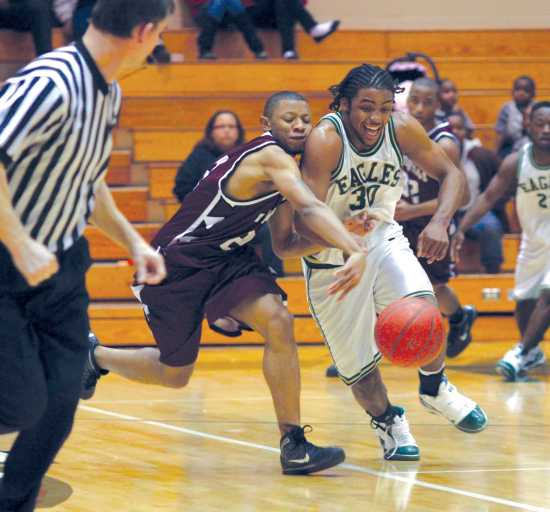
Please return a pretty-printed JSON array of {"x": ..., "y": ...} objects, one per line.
[
  {"x": 532, "y": 270},
  {"x": 392, "y": 272}
]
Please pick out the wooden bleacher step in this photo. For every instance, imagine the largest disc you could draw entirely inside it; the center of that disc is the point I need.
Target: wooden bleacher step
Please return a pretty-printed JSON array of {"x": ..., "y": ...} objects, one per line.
[
  {"x": 191, "y": 112},
  {"x": 343, "y": 45},
  {"x": 372, "y": 44},
  {"x": 132, "y": 202},
  {"x": 488, "y": 292},
  {"x": 123, "y": 324},
  {"x": 176, "y": 80},
  {"x": 175, "y": 145},
  {"x": 103, "y": 248}
]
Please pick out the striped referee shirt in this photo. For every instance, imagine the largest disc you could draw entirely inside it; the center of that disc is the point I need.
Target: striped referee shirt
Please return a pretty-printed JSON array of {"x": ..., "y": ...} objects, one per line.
[{"x": 56, "y": 120}]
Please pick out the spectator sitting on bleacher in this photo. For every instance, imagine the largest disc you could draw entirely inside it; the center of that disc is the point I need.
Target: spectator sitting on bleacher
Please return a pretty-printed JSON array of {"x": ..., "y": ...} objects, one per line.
[
  {"x": 222, "y": 133},
  {"x": 480, "y": 165},
  {"x": 448, "y": 101},
  {"x": 510, "y": 124},
  {"x": 525, "y": 134},
  {"x": 282, "y": 15},
  {"x": 29, "y": 15},
  {"x": 210, "y": 15}
]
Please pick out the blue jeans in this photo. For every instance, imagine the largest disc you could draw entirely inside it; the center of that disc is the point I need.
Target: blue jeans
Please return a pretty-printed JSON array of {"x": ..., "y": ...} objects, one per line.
[
  {"x": 219, "y": 8},
  {"x": 488, "y": 232}
]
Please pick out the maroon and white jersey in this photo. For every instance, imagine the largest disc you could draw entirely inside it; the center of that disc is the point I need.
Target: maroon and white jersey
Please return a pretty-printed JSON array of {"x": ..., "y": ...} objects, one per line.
[
  {"x": 419, "y": 187},
  {"x": 210, "y": 224}
]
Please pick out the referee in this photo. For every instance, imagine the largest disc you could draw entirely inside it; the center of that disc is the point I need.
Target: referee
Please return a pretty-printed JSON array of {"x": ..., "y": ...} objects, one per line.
[{"x": 56, "y": 119}]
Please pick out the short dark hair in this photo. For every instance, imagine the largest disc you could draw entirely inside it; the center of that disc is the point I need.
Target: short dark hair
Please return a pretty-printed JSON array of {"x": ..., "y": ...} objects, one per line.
[
  {"x": 208, "y": 142},
  {"x": 428, "y": 83},
  {"x": 365, "y": 76},
  {"x": 537, "y": 106},
  {"x": 120, "y": 17},
  {"x": 527, "y": 79},
  {"x": 276, "y": 98}
]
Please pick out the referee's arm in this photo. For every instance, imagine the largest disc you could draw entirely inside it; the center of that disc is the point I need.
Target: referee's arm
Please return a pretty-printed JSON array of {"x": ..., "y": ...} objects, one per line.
[
  {"x": 35, "y": 262},
  {"x": 106, "y": 216},
  {"x": 28, "y": 106}
]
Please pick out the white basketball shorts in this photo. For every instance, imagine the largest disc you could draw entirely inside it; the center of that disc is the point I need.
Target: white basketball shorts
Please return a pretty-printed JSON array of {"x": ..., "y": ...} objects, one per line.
[
  {"x": 392, "y": 272},
  {"x": 532, "y": 270}
]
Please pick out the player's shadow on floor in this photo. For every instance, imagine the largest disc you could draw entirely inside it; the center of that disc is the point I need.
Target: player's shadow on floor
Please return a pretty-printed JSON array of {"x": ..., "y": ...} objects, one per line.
[
  {"x": 485, "y": 369},
  {"x": 53, "y": 492}
]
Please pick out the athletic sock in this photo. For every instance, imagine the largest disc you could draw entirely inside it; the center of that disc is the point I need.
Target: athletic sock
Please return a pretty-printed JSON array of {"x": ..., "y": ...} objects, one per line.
[
  {"x": 457, "y": 316},
  {"x": 430, "y": 381}
]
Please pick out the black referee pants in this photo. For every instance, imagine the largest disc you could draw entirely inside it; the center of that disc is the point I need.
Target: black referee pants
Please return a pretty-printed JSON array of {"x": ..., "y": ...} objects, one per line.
[{"x": 43, "y": 347}]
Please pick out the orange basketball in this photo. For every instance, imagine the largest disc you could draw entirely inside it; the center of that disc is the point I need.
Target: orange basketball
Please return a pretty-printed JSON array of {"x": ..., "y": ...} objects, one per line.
[{"x": 409, "y": 332}]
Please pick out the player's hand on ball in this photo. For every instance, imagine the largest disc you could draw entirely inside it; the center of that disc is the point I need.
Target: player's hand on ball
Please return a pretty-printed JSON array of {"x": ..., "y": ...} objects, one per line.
[
  {"x": 433, "y": 242},
  {"x": 456, "y": 244},
  {"x": 349, "y": 275},
  {"x": 360, "y": 224},
  {"x": 35, "y": 262},
  {"x": 150, "y": 268}
]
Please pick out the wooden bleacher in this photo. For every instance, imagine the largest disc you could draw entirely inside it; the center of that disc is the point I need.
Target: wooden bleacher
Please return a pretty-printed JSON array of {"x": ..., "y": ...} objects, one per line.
[{"x": 165, "y": 109}]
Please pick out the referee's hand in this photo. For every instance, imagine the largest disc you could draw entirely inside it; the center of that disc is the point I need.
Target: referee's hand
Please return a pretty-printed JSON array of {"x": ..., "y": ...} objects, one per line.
[
  {"x": 35, "y": 262},
  {"x": 149, "y": 265}
]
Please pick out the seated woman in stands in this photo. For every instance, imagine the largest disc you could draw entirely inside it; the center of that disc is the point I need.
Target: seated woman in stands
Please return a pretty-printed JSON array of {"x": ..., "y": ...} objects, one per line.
[{"x": 222, "y": 133}]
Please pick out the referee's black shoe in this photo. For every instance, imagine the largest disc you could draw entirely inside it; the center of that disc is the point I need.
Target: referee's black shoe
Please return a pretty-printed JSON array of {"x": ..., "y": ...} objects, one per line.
[
  {"x": 92, "y": 372},
  {"x": 300, "y": 457}
]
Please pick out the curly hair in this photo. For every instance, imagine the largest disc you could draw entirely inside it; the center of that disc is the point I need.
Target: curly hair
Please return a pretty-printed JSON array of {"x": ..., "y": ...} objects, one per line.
[{"x": 362, "y": 77}]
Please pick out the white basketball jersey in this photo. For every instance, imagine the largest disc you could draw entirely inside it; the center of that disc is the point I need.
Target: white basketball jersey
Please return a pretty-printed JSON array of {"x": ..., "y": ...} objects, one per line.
[
  {"x": 533, "y": 198},
  {"x": 368, "y": 181}
]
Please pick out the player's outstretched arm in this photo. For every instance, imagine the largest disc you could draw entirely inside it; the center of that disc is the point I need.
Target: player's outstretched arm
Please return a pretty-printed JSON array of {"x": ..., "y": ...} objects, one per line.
[
  {"x": 149, "y": 264},
  {"x": 433, "y": 242},
  {"x": 501, "y": 184},
  {"x": 283, "y": 172},
  {"x": 287, "y": 243}
]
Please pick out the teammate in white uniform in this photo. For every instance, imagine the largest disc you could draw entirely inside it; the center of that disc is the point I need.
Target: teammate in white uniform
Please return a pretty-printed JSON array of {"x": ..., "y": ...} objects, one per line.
[
  {"x": 528, "y": 171},
  {"x": 352, "y": 161}
]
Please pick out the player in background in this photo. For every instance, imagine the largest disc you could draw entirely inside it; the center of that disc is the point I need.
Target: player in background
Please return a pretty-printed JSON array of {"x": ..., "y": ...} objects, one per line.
[
  {"x": 420, "y": 202},
  {"x": 526, "y": 172}
]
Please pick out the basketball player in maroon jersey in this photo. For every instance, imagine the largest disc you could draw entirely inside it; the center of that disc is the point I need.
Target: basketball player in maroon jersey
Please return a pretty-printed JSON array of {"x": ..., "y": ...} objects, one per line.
[
  {"x": 418, "y": 205},
  {"x": 212, "y": 270}
]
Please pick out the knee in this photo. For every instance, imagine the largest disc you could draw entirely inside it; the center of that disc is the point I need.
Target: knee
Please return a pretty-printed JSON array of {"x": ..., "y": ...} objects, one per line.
[
  {"x": 281, "y": 326},
  {"x": 369, "y": 384},
  {"x": 176, "y": 378}
]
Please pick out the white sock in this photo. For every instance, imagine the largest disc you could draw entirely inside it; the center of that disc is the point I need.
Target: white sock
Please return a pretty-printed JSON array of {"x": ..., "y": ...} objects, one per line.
[{"x": 321, "y": 29}]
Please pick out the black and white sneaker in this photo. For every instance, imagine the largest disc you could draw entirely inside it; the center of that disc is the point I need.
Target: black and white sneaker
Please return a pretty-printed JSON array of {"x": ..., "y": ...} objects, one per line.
[
  {"x": 300, "y": 457},
  {"x": 460, "y": 334},
  {"x": 92, "y": 372}
]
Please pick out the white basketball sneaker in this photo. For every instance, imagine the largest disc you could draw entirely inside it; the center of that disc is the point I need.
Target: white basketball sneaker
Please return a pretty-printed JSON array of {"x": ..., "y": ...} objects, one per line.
[
  {"x": 395, "y": 437},
  {"x": 514, "y": 362},
  {"x": 462, "y": 412}
]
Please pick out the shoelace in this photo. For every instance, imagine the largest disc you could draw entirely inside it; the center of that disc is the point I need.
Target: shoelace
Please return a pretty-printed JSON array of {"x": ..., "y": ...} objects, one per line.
[
  {"x": 395, "y": 434},
  {"x": 298, "y": 433}
]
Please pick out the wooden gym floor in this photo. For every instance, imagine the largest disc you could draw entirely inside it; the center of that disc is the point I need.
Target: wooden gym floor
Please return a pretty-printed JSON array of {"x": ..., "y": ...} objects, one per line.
[{"x": 213, "y": 446}]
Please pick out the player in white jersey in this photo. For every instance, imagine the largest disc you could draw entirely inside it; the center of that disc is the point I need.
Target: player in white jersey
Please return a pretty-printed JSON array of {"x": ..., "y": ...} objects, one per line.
[
  {"x": 352, "y": 161},
  {"x": 528, "y": 171}
]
